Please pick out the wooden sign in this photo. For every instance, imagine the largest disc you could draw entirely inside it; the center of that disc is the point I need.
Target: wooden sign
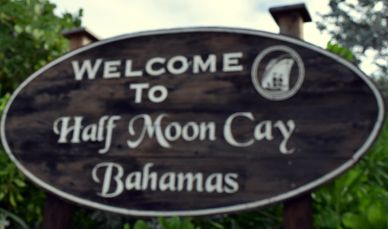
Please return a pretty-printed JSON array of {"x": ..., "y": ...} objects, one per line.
[{"x": 190, "y": 121}]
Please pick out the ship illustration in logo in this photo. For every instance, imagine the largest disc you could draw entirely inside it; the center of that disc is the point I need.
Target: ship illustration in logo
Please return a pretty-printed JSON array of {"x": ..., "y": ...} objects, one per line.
[
  {"x": 278, "y": 73},
  {"x": 276, "y": 76}
]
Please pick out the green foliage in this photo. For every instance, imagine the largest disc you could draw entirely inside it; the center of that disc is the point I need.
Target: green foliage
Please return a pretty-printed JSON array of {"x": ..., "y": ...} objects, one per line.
[
  {"x": 83, "y": 219},
  {"x": 97, "y": 219},
  {"x": 16, "y": 222},
  {"x": 340, "y": 51},
  {"x": 266, "y": 218},
  {"x": 140, "y": 224},
  {"x": 360, "y": 25},
  {"x": 173, "y": 223},
  {"x": 30, "y": 37},
  {"x": 4, "y": 222},
  {"x": 359, "y": 198}
]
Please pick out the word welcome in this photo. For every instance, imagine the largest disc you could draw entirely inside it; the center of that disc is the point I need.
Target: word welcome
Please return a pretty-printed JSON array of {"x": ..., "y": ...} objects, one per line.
[{"x": 156, "y": 66}]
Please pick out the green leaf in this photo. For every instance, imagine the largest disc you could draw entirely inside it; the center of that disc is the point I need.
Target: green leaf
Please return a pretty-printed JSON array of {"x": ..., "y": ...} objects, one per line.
[
  {"x": 38, "y": 9},
  {"x": 354, "y": 221},
  {"x": 186, "y": 224},
  {"x": 36, "y": 33},
  {"x": 340, "y": 51},
  {"x": 19, "y": 182},
  {"x": 377, "y": 215},
  {"x": 18, "y": 29},
  {"x": 4, "y": 223},
  {"x": 15, "y": 218},
  {"x": 12, "y": 199},
  {"x": 140, "y": 224},
  {"x": 28, "y": 29},
  {"x": 349, "y": 56},
  {"x": 216, "y": 225}
]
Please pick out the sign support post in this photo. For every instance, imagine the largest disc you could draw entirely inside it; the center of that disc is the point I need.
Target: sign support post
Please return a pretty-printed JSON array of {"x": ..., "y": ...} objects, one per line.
[
  {"x": 58, "y": 212},
  {"x": 297, "y": 211}
]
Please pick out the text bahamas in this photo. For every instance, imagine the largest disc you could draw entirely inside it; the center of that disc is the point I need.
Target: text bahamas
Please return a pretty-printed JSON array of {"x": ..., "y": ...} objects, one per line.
[{"x": 114, "y": 181}]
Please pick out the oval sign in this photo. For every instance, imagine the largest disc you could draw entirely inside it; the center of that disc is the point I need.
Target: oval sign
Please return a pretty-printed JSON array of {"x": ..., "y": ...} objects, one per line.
[{"x": 190, "y": 121}]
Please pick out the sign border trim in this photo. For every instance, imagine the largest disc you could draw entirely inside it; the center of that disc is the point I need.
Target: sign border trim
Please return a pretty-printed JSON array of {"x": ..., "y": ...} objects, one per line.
[{"x": 238, "y": 207}]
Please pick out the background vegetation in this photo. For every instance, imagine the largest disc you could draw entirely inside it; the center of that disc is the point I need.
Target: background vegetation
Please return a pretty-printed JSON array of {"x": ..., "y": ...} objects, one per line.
[
  {"x": 30, "y": 36},
  {"x": 361, "y": 26}
]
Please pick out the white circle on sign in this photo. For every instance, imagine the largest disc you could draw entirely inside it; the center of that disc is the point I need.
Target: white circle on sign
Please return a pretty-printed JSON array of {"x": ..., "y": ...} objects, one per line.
[{"x": 278, "y": 73}]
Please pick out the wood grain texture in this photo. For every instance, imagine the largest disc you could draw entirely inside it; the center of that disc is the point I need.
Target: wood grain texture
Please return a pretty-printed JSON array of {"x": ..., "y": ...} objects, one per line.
[
  {"x": 298, "y": 212},
  {"x": 57, "y": 213},
  {"x": 334, "y": 111}
]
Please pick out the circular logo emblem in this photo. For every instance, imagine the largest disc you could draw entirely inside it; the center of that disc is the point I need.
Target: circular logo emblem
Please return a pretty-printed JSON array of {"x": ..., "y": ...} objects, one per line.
[{"x": 278, "y": 73}]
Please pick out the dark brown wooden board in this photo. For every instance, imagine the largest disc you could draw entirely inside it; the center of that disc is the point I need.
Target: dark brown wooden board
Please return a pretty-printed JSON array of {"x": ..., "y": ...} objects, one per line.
[{"x": 337, "y": 114}]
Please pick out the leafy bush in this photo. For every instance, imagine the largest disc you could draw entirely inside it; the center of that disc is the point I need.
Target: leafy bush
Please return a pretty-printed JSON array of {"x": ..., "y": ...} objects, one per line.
[
  {"x": 359, "y": 198},
  {"x": 30, "y": 36},
  {"x": 267, "y": 218}
]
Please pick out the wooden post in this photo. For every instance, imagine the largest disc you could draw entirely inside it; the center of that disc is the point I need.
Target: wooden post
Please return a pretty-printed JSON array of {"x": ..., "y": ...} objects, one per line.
[
  {"x": 79, "y": 37},
  {"x": 290, "y": 19},
  {"x": 298, "y": 213},
  {"x": 58, "y": 212}
]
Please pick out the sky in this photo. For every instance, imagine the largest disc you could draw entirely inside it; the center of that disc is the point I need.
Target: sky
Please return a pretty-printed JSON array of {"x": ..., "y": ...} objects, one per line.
[{"x": 106, "y": 19}]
